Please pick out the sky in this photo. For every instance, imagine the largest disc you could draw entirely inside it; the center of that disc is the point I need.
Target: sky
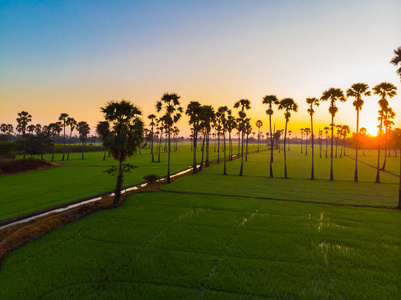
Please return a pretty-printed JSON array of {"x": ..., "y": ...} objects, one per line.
[{"x": 75, "y": 56}]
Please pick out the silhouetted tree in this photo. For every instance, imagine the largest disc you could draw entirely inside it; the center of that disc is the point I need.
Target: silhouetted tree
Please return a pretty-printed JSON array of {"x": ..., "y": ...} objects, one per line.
[
  {"x": 270, "y": 100},
  {"x": 122, "y": 137},
  {"x": 24, "y": 118},
  {"x": 173, "y": 110},
  {"x": 333, "y": 95},
  {"x": 243, "y": 104},
  {"x": 312, "y": 102},
  {"x": 356, "y": 91},
  {"x": 288, "y": 105}
]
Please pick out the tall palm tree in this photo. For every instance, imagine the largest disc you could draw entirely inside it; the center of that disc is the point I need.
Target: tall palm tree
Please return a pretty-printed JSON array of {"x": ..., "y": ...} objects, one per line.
[
  {"x": 63, "y": 118},
  {"x": 152, "y": 124},
  {"x": 83, "y": 129},
  {"x": 193, "y": 111},
  {"x": 384, "y": 90},
  {"x": 357, "y": 90},
  {"x": 222, "y": 111},
  {"x": 270, "y": 100},
  {"x": 288, "y": 105},
  {"x": 244, "y": 104},
  {"x": 173, "y": 110},
  {"x": 102, "y": 129},
  {"x": 302, "y": 130},
  {"x": 339, "y": 132},
  {"x": 230, "y": 125},
  {"x": 122, "y": 136},
  {"x": 312, "y": 102},
  {"x": 23, "y": 120},
  {"x": 54, "y": 129},
  {"x": 326, "y": 131},
  {"x": 345, "y": 130},
  {"x": 72, "y": 123},
  {"x": 259, "y": 124},
  {"x": 333, "y": 95},
  {"x": 387, "y": 121},
  {"x": 306, "y": 132},
  {"x": 396, "y": 60},
  {"x": 289, "y": 139}
]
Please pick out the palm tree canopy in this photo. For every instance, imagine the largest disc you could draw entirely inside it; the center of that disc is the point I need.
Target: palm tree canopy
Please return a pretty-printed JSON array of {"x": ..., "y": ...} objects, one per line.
[
  {"x": 63, "y": 117},
  {"x": 288, "y": 104},
  {"x": 23, "y": 119},
  {"x": 270, "y": 100},
  {"x": 122, "y": 130},
  {"x": 259, "y": 123},
  {"x": 333, "y": 94},
  {"x": 397, "y": 60},
  {"x": 243, "y": 103},
  {"x": 193, "y": 111},
  {"x": 171, "y": 104},
  {"x": 384, "y": 90},
  {"x": 311, "y": 102},
  {"x": 356, "y": 91}
]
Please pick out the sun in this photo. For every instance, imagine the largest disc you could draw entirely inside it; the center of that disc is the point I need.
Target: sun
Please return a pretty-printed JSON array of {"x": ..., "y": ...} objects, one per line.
[{"x": 371, "y": 128}]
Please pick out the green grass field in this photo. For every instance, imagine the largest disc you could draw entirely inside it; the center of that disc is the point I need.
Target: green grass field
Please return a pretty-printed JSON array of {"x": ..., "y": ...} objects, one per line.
[
  {"x": 210, "y": 236},
  {"x": 24, "y": 193}
]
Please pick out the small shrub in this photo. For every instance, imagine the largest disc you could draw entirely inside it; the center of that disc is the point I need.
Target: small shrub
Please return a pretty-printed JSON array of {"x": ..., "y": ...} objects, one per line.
[{"x": 151, "y": 178}]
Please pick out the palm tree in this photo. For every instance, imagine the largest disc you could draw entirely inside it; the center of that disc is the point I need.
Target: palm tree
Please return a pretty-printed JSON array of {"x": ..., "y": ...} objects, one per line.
[
  {"x": 102, "y": 128},
  {"x": 312, "y": 101},
  {"x": 270, "y": 100},
  {"x": 230, "y": 125},
  {"x": 23, "y": 120},
  {"x": 345, "y": 130},
  {"x": 72, "y": 123},
  {"x": 152, "y": 124},
  {"x": 54, "y": 129},
  {"x": 63, "y": 118},
  {"x": 306, "y": 132},
  {"x": 207, "y": 117},
  {"x": 302, "y": 138},
  {"x": 83, "y": 129},
  {"x": 320, "y": 141},
  {"x": 173, "y": 110},
  {"x": 397, "y": 60},
  {"x": 222, "y": 111},
  {"x": 339, "y": 127},
  {"x": 259, "y": 124},
  {"x": 326, "y": 131},
  {"x": 333, "y": 95},
  {"x": 193, "y": 111},
  {"x": 244, "y": 104},
  {"x": 288, "y": 105},
  {"x": 389, "y": 115},
  {"x": 356, "y": 91},
  {"x": 122, "y": 136},
  {"x": 289, "y": 139},
  {"x": 248, "y": 131},
  {"x": 384, "y": 90}
]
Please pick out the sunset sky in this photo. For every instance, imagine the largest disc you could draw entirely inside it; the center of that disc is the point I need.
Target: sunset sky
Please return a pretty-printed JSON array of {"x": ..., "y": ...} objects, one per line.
[{"x": 74, "y": 56}]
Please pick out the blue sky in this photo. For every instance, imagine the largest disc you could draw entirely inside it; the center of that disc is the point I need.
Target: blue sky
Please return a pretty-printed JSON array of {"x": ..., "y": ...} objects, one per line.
[{"x": 74, "y": 56}]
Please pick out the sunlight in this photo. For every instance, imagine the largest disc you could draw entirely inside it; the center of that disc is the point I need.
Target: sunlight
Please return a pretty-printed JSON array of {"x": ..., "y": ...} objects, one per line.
[{"x": 371, "y": 128}]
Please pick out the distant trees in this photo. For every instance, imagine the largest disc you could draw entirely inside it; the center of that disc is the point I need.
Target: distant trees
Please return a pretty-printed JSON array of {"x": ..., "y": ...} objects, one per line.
[
  {"x": 63, "y": 119},
  {"x": 259, "y": 124},
  {"x": 122, "y": 137},
  {"x": 24, "y": 118},
  {"x": 83, "y": 130},
  {"x": 152, "y": 124}
]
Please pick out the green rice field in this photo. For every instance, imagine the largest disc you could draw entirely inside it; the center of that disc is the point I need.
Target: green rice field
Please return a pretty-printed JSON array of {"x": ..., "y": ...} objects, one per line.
[{"x": 210, "y": 236}]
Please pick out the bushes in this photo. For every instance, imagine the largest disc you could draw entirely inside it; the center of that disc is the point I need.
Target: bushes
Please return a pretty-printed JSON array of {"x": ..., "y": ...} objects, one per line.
[
  {"x": 7, "y": 150},
  {"x": 22, "y": 165}
]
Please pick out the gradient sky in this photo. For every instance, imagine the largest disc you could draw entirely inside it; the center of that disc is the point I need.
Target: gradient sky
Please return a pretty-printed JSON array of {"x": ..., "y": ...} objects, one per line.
[{"x": 74, "y": 56}]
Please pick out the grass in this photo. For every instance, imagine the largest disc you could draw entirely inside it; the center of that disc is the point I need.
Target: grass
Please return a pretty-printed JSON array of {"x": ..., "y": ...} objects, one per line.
[
  {"x": 210, "y": 236},
  {"x": 28, "y": 192}
]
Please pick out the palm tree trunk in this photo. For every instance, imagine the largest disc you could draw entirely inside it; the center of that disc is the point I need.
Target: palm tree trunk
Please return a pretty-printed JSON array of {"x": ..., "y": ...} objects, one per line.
[
  {"x": 203, "y": 150},
  {"x": 285, "y": 152},
  {"x": 117, "y": 193},
  {"x": 271, "y": 147},
  {"x": 312, "y": 176},
  {"x": 242, "y": 152},
  {"x": 151, "y": 147},
  {"x": 168, "y": 156},
  {"x": 378, "y": 152},
  {"x": 246, "y": 150},
  {"x": 207, "y": 148},
  {"x": 357, "y": 146},
  {"x": 224, "y": 150},
  {"x": 160, "y": 146},
  {"x": 385, "y": 152},
  {"x": 194, "y": 169},
  {"x": 239, "y": 142},
  {"x": 326, "y": 144},
  {"x": 399, "y": 187},
  {"x": 218, "y": 147},
  {"x": 332, "y": 149},
  {"x": 306, "y": 145},
  {"x": 64, "y": 143},
  {"x": 69, "y": 146}
]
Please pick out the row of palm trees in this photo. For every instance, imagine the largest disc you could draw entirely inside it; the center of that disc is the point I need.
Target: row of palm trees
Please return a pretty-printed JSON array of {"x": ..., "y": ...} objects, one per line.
[{"x": 51, "y": 130}]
